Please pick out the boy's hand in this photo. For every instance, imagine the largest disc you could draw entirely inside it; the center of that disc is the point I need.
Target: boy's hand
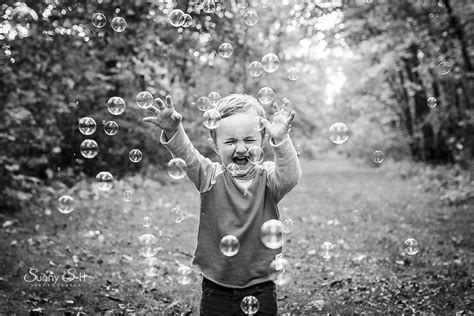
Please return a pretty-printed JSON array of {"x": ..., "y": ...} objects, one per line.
[
  {"x": 165, "y": 117},
  {"x": 279, "y": 128}
]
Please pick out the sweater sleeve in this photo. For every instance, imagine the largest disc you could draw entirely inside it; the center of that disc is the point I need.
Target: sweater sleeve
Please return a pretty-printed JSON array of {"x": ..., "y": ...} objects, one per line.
[
  {"x": 284, "y": 172},
  {"x": 200, "y": 170}
]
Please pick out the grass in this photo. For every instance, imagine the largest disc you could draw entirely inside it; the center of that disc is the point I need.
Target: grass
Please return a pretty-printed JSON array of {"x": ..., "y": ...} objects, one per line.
[{"x": 367, "y": 272}]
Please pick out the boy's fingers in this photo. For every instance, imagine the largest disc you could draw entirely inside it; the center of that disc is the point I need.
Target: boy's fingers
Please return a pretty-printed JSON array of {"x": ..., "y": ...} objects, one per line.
[
  {"x": 153, "y": 109},
  {"x": 160, "y": 103},
  {"x": 291, "y": 117},
  {"x": 169, "y": 102},
  {"x": 176, "y": 117},
  {"x": 150, "y": 119},
  {"x": 276, "y": 107},
  {"x": 265, "y": 122}
]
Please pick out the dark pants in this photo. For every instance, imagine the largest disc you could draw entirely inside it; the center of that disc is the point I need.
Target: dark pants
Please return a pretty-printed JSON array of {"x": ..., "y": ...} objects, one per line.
[{"x": 217, "y": 300}]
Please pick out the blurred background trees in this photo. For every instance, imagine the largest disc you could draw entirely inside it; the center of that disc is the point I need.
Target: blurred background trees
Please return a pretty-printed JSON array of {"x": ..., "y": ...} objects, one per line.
[{"x": 370, "y": 64}]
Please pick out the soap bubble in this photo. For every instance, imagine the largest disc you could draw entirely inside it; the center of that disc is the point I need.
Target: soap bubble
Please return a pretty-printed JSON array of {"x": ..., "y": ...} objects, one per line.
[
  {"x": 127, "y": 195},
  {"x": 89, "y": 148},
  {"x": 184, "y": 276},
  {"x": 214, "y": 97},
  {"x": 148, "y": 245},
  {"x": 444, "y": 68},
  {"x": 147, "y": 221},
  {"x": 209, "y": 6},
  {"x": 203, "y": 104},
  {"x": 327, "y": 250},
  {"x": 411, "y": 246},
  {"x": 225, "y": 50},
  {"x": 288, "y": 224},
  {"x": 135, "y": 155},
  {"x": 212, "y": 119},
  {"x": 266, "y": 95},
  {"x": 178, "y": 214},
  {"x": 188, "y": 20},
  {"x": 87, "y": 125},
  {"x": 356, "y": 216},
  {"x": 293, "y": 73},
  {"x": 271, "y": 234},
  {"x": 378, "y": 156},
  {"x": 270, "y": 62},
  {"x": 250, "y": 305},
  {"x": 257, "y": 123},
  {"x": 66, "y": 204},
  {"x": 177, "y": 168},
  {"x": 255, "y": 155},
  {"x": 229, "y": 245},
  {"x": 116, "y": 105},
  {"x": 250, "y": 18},
  {"x": 111, "y": 128},
  {"x": 144, "y": 99},
  {"x": 338, "y": 133},
  {"x": 118, "y": 24},
  {"x": 431, "y": 102},
  {"x": 104, "y": 180},
  {"x": 255, "y": 69},
  {"x": 176, "y": 17},
  {"x": 232, "y": 169},
  {"x": 280, "y": 271},
  {"x": 98, "y": 20},
  {"x": 21, "y": 21}
]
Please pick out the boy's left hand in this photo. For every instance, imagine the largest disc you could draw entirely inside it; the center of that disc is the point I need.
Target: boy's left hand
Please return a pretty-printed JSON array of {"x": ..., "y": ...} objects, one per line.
[{"x": 281, "y": 125}]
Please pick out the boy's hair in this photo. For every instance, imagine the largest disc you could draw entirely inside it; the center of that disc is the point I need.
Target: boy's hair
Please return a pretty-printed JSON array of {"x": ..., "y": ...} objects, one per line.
[{"x": 237, "y": 103}]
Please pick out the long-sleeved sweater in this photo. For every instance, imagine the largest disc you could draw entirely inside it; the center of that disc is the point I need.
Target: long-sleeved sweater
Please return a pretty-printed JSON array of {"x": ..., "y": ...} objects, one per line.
[{"x": 236, "y": 207}]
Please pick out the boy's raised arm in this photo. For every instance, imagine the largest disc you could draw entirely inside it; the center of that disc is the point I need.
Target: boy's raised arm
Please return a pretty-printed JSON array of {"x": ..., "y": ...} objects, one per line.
[
  {"x": 200, "y": 170},
  {"x": 285, "y": 172}
]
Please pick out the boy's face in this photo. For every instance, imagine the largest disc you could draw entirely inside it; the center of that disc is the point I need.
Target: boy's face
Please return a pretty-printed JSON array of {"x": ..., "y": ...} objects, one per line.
[{"x": 235, "y": 135}]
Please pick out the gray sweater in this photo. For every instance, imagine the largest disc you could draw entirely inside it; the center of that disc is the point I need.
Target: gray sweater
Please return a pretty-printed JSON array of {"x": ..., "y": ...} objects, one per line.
[{"x": 236, "y": 207}]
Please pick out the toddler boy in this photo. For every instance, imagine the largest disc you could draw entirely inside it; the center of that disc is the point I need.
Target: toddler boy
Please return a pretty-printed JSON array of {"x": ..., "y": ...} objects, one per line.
[{"x": 234, "y": 201}]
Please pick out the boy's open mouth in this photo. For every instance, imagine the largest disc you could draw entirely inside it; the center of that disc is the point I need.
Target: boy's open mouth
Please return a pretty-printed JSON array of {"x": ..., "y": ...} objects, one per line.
[{"x": 240, "y": 160}]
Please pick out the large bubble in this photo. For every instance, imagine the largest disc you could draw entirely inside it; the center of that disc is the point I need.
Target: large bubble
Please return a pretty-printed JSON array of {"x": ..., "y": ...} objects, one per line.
[{"x": 271, "y": 234}]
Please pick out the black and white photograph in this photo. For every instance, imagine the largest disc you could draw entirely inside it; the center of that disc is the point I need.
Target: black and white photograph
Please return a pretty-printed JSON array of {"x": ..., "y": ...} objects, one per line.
[{"x": 236, "y": 157}]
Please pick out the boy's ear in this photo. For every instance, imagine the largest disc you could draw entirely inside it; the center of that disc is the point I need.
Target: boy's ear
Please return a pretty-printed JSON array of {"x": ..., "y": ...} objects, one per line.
[{"x": 213, "y": 145}]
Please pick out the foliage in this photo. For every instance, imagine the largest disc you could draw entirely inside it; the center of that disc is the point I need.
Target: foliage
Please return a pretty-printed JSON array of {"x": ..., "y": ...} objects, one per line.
[{"x": 59, "y": 68}]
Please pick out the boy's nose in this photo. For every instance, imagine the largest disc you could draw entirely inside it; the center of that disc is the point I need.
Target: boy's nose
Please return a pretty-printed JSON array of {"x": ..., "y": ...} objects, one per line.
[{"x": 241, "y": 149}]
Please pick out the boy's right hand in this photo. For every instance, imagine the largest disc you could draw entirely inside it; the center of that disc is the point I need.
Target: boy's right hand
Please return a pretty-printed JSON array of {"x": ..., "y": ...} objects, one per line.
[{"x": 165, "y": 117}]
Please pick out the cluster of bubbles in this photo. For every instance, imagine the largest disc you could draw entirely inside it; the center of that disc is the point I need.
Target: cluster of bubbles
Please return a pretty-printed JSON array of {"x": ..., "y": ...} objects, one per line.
[
  {"x": 270, "y": 63},
  {"x": 211, "y": 117},
  {"x": 118, "y": 23},
  {"x": 280, "y": 271},
  {"x": 178, "y": 18}
]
